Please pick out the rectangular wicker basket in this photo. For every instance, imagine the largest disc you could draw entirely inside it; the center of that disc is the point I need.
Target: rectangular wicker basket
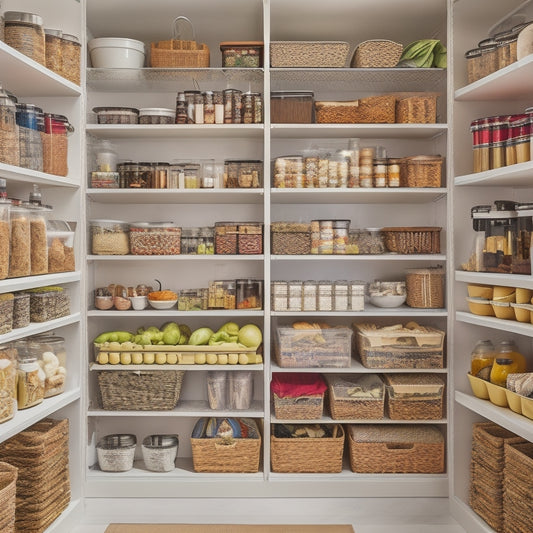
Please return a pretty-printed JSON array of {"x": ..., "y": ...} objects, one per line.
[
  {"x": 139, "y": 390},
  {"x": 216, "y": 455},
  {"x": 176, "y": 53},
  {"x": 41, "y": 455},
  {"x": 425, "y": 287},
  {"x": 370, "y": 110},
  {"x": 419, "y": 109},
  {"x": 421, "y": 171},
  {"x": 308, "y": 54},
  {"x": 290, "y": 238},
  {"x": 376, "y": 53},
  {"x": 299, "y": 408},
  {"x": 304, "y": 454},
  {"x": 397, "y": 449},
  {"x": 8, "y": 482},
  {"x": 412, "y": 240}
]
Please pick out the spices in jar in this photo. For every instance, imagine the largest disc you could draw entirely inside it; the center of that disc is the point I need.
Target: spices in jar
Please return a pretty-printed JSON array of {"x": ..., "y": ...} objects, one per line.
[
  {"x": 30, "y": 380},
  {"x": 279, "y": 296},
  {"x": 9, "y": 133},
  {"x": 181, "y": 109},
  {"x": 109, "y": 237},
  {"x": 71, "y": 58},
  {"x": 24, "y": 32},
  {"x": 325, "y": 295},
  {"x": 218, "y": 99},
  {"x": 53, "y": 52},
  {"x": 20, "y": 242},
  {"x": 393, "y": 172},
  {"x": 5, "y": 231},
  {"x": 190, "y": 100},
  {"x": 482, "y": 359},
  {"x": 247, "y": 108},
  {"x": 209, "y": 108}
]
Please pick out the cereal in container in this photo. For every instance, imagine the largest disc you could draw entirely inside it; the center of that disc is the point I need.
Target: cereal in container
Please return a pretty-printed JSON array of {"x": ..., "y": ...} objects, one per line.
[
  {"x": 109, "y": 237},
  {"x": 20, "y": 242},
  {"x": 8, "y": 383}
]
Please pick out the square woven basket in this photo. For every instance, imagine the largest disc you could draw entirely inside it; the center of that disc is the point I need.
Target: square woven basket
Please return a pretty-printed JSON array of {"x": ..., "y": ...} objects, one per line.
[
  {"x": 412, "y": 240},
  {"x": 370, "y": 110},
  {"x": 139, "y": 390},
  {"x": 217, "y": 455},
  {"x": 176, "y": 53},
  {"x": 376, "y": 53},
  {"x": 303, "y": 454},
  {"x": 308, "y": 54},
  {"x": 420, "y": 109},
  {"x": 299, "y": 408},
  {"x": 421, "y": 171}
]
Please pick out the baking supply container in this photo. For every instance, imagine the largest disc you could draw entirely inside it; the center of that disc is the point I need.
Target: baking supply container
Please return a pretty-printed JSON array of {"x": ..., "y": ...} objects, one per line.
[
  {"x": 8, "y": 382},
  {"x": 29, "y": 118},
  {"x": 116, "y": 452},
  {"x": 60, "y": 241},
  {"x": 5, "y": 231},
  {"x": 24, "y": 32},
  {"x": 240, "y": 389},
  {"x": 249, "y": 294},
  {"x": 156, "y": 115},
  {"x": 159, "y": 452},
  {"x": 55, "y": 144},
  {"x": 20, "y": 242},
  {"x": 53, "y": 51},
  {"x": 30, "y": 377},
  {"x": 217, "y": 389},
  {"x": 116, "y": 52},
  {"x": 52, "y": 357},
  {"x": 242, "y": 54},
  {"x": 21, "y": 310}
]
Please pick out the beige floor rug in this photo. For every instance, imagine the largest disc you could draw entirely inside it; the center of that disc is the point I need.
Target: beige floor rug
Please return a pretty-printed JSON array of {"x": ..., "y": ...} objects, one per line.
[{"x": 226, "y": 528}]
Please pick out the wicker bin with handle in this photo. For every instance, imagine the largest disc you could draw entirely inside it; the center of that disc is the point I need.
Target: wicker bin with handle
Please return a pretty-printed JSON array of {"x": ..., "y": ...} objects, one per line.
[{"x": 179, "y": 53}]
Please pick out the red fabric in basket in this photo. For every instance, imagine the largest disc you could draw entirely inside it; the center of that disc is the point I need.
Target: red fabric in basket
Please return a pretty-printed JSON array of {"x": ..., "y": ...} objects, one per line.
[{"x": 292, "y": 385}]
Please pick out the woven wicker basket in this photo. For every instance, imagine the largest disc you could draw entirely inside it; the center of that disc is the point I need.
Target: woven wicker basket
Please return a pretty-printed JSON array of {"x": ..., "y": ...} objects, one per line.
[
  {"x": 308, "y": 54},
  {"x": 311, "y": 455},
  {"x": 417, "y": 109},
  {"x": 41, "y": 455},
  {"x": 393, "y": 448},
  {"x": 376, "y": 53},
  {"x": 425, "y": 288},
  {"x": 216, "y": 455},
  {"x": 370, "y": 110},
  {"x": 179, "y": 53},
  {"x": 290, "y": 238},
  {"x": 421, "y": 171},
  {"x": 299, "y": 408},
  {"x": 140, "y": 390},
  {"x": 8, "y": 481},
  {"x": 412, "y": 240},
  {"x": 518, "y": 473},
  {"x": 487, "y": 471}
]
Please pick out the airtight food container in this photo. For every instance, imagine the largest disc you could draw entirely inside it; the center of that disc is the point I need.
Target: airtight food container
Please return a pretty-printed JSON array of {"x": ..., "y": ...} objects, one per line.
[
  {"x": 156, "y": 115},
  {"x": 117, "y": 115},
  {"x": 112, "y": 52}
]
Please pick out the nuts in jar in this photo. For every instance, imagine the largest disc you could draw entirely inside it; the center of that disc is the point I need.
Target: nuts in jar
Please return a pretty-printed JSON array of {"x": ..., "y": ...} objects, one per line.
[{"x": 155, "y": 238}]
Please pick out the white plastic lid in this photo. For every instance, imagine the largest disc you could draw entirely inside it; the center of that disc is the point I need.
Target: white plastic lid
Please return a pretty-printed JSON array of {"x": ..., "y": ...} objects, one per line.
[
  {"x": 157, "y": 111},
  {"x": 116, "y": 42}
]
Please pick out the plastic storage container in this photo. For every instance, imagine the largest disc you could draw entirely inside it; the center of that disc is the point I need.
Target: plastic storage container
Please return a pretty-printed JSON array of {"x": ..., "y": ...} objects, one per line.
[
  {"x": 48, "y": 303},
  {"x": 9, "y": 133},
  {"x": 217, "y": 389},
  {"x": 55, "y": 144},
  {"x": 8, "y": 383},
  {"x": 24, "y": 32},
  {"x": 249, "y": 294},
  {"x": 5, "y": 206},
  {"x": 21, "y": 310},
  {"x": 30, "y": 377},
  {"x": 52, "y": 357},
  {"x": 156, "y": 115},
  {"x": 60, "y": 241},
  {"x": 29, "y": 118},
  {"x": 53, "y": 51},
  {"x": 109, "y": 237},
  {"x": 117, "y": 115},
  {"x": 240, "y": 389},
  {"x": 20, "y": 242},
  {"x": 242, "y": 54},
  {"x": 521, "y": 247},
  {"x": 154, "y": 238},
  {"x": 291, "y": 107},
  {"x": 71, "y": 58},
  {"x": 115, "y": 52}
]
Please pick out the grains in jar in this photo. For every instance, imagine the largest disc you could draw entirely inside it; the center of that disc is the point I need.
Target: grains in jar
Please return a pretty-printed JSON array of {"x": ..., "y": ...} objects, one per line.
[
  {"x": 24, "y": 32},
  {"x": 393, "y": 172},
  {"x": 340, "y": 296},
  {"x": 109, "y": 237},
  {"x": 340, "y": 236},
  {"x": 295, "y": 288},
  {"x": 209, "y": 108},
  {"x": 311, "y": 172},
  {"x": 480, "y": 129},
  {"x": 498, "y": 137},
  {"x": 279, "y": 296},
  {"x": 9, "y": 132},
  {"x": 309, "y": 296},
  {"x": 5, "y": 206},
  {"x": 325, "y": 245},
  {"x": 53, "y": 53},
  {"x": 218, "y": 99},
  {"x": 38, "y": 239},
  {"x": 20, "y": 242},
  {"x": 325, "y": 295},
  {"x": 198, "y": 108},
  {"x": 55, "y": 144},
  {"x": 71, "y": 58},
  {"x": 315, "y": 236},
  {"x": 258, "y": 108}
]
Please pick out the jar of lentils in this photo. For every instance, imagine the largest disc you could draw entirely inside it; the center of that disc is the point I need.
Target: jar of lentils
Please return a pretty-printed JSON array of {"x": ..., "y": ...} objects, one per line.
[{"x": 24, "y": 32}]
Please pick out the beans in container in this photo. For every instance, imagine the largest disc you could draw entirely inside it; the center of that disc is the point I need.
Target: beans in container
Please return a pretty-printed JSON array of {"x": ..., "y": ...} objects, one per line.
[
  {"x": 242, "y": 54},
  {"x": 154, "y": 238},
  {"x": 117, "y": 115},
  {"x": 157, "y": 115},
  {"x": 109, "y": 237},
  {"x": 24, "y": 32}
]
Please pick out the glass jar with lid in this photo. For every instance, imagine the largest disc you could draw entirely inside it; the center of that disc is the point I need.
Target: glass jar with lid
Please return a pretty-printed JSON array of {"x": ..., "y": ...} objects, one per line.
[
  {"x": 393, "y": 172},
  {"x": 8, "y": 382},
  {"x": 506, "y": 47},
  {"x": 192, "y": 176},
  {"x": 53, "y": 53},
  {"x": 279, "y": 296},
  {"x": 521, "y": 248},
  {"x": 39, "y": 215},
  {"x": 30, "y": 377},
  {"x": 5, "y": 206},
  {"x": 482, "y": 358},
  {"x": 29, "y": 117},
  {"x": 9, "y": 132},
  {"x": 325, "y": 295},
  {"x": 249, "y": 294},
  {"x": 24, "y": 32},
  {"x": 341, "y": 300},
  {"x": 106, "y": 156},
  {"x": 20, "y": 242},
  {"x": 488, "y": 61},
  {"x": 340, "y": 236},
  {"x": 309, "y": 296},
  {"x": 71, "y": 58},
  {"x": 55, "y": 144},
  {"x": 52, "y": 357},
  {"x": 294, "y": 293},
  {"x": 109, "y": 237}
]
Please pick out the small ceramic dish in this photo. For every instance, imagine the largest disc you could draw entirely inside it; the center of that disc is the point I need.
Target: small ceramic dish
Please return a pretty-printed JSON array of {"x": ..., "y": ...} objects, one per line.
[
  {"x": 514, "y": 401},
  {"x": 479, "y": 387},
  {"x": 497, "y": 395},
  {"x": 163, "y": 304}
]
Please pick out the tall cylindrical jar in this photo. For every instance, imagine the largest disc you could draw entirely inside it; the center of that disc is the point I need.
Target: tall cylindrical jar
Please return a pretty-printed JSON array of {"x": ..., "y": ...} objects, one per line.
[
  {"x": 38, "y": 239},
  {"x": 30, "y": 140},
  {"x": 24, "y": 32},
  {"x": 9, "y": 132},
  {"x": 55, "y": 144},
  {"x": 53, "y": 51},
  {"x": 50, "y": 352},
  {"x": 20, "y": 242},
  {"x": 5, "y": 206},
  {"x": 71, "y": 58}
]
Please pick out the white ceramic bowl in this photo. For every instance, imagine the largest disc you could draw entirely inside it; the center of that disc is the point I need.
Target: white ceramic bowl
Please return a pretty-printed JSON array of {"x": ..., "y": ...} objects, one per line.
[
  {"x": 388, "y": 300},
  {"x": 111, "y": 52},
  {"x": 139, "y": 302},
  {"x": 163, "y": 304}
]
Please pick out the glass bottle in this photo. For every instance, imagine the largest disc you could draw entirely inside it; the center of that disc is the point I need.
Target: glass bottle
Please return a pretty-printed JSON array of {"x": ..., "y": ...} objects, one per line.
[
  {"x": 482, "y": 358},
  {"x": 508, "y": 360}
]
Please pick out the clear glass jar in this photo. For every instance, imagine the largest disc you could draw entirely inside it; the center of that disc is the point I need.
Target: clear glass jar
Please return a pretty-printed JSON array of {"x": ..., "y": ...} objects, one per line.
[
  {"x": 247, "y": 108},
  {"x": 310, "y": 293},
  {"x": 20, "y": 242},
  {"x": 325, "y": 245},
  {"x": 192, "y": 176},
  {"x": 55, "y": 144},
  {"x": 8, "y": 382},
  {"x": 5, "y": 206},
  {"x": 294, "y": 291},
  {"x": 198, "y": 108},
  {"x": 38, "y": 240},
  {"x": 181, "y": 109},
  {"x": 325, "y": 295},
  {"x": 30, "y": 378},
  {"x": 249, "y": 294},
  {"x": 106, "y": 156},
  {"x": 357, "y": 295},
  {"x": 9, "y": 131},
  {"x": 380, "y": 172},
  {"x": 258, "y": 108},
  {"x": 71, "y": 58},
  {"x": 217, "y": 389},
  {"x": 209, "y": 108},
  {"x": 53, "y": 54},
  {"x": 30, "y": 141},
  {"x": 353, "y": 150},
  {"x": 280, "y": 296},
  {"x": 218, "y": 99},
  {"x": 371, "y": 241},
  {"x": 24, "y": 32},
  {"x": 109, "y": 237},
  {"x": 190, "y": 98},
  {"x": 52, "y": 357},
  {"x": 393, "y": 172},
  {"x": 341, "y": 300},
  {"x": 340, "y": 236},
  {"x": 161, "y": 172},
  {"x": 240, "y": 389},
  {"x": 481, "y": 359}
]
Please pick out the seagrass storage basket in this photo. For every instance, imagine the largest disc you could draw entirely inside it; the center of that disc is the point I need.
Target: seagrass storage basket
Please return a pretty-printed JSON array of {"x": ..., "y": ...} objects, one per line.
[
  {"x": 412, "y": 240},
  {"x": 425, "y": 287},
  {"x": 370, "y": 110},
  {"x": 399, "y": 346},
  {"x": 232, "y": 455},
  {"x": 487, "y": 471},
  {"x": 396, "y": 448},
  {"x": 307, "y": 454},
  {"x": 353, "y": 397},
  {"x": 414, "y": 396},
  {"x": 420, "y": 109},
  {"x": 179, "y": 53},
  {"x": 421, "y": 171},
  {"x": 41, "y": 455},
  {"x": 8, "y": 481},
  {"x": 291, "y": 238},
  {"x": 376, "y": 53},
  {"x": 518, "y": 473},
  {"x": 308, "y": 54},
  {"x": 139, "y": 390}
]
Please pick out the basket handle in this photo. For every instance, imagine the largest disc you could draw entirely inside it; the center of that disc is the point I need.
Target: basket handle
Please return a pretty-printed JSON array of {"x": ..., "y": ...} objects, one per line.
[
  {"x": 175, "y": 31},
  {"x": 399, "y": 446},
  {"x": 222, "y": 445}
]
